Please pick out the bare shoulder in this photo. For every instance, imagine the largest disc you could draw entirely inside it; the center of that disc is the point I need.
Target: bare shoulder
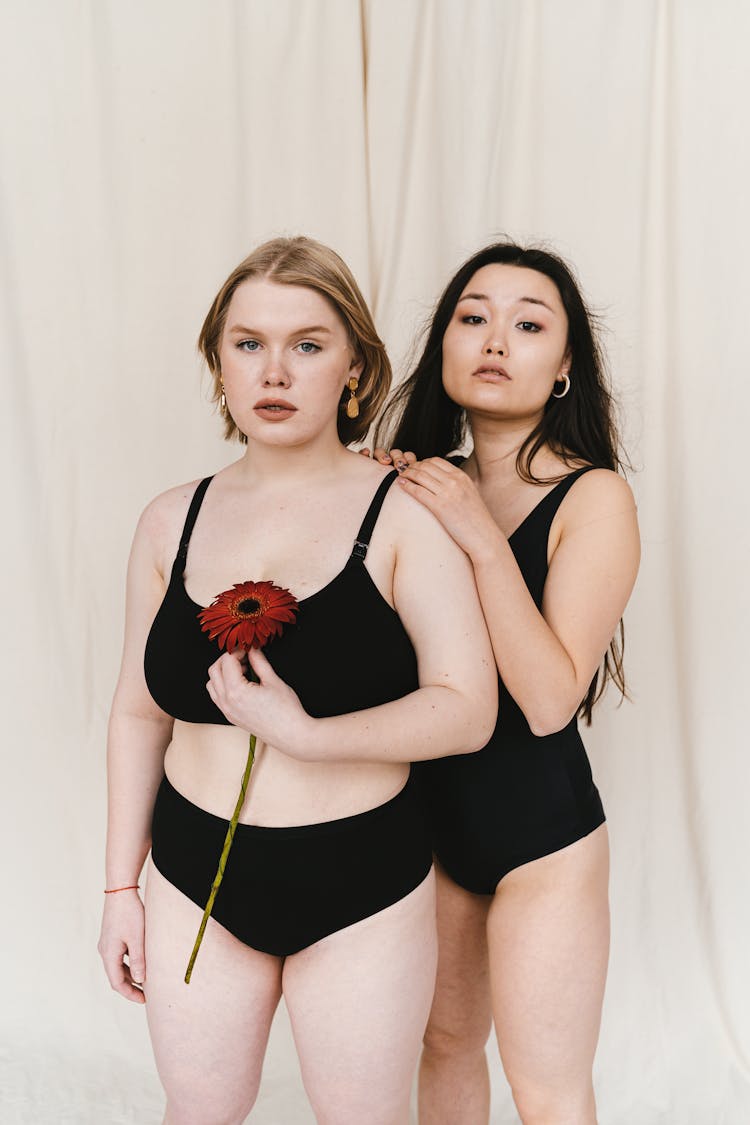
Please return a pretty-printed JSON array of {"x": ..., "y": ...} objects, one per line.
[
  {"x": 596, "y": 494},
  {"x": 415, "y": 527},
  {"x": 161, "y": 522},
  {"x": 399, "y": 512}
]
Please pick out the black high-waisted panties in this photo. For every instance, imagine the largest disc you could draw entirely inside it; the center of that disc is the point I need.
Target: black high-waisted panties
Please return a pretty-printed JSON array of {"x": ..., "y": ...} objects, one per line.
[{"x": 286, "y": 888}]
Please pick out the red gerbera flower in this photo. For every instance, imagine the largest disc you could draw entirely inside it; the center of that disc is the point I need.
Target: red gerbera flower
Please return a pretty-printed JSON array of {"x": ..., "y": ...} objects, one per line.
[{"x": 248, "y": 615}]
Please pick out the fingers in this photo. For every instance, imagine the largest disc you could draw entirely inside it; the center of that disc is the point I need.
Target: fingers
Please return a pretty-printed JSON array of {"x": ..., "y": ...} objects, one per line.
[
  {"x": 438, "y": 468},
  {"x": 126, "y": 979},
  {"x": 224, "y": 675},
  {"x": 137, "y": 961},
  {"x": 133, "y": 977},
  {"x": 229, "y": 687},
  {"x": 127, "y": 985},
  {"x": 423, "y": 478},
  {"x": 365, "y": 452},
  {"x": 437, "y": 475},
  {"x": 396, "y": 457},
  {"x": 261, "y": 665},
  {"x": 425, "y": 496},
  {"x": 229, "y": 670}
]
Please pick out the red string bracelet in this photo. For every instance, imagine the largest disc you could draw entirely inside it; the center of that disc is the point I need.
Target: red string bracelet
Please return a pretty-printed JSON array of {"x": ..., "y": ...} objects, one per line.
[{"x": 114, "y": 890}]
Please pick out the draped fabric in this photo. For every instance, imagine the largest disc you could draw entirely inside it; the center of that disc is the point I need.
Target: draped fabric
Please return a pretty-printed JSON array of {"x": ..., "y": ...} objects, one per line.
[{"x": 145, "y": 148}]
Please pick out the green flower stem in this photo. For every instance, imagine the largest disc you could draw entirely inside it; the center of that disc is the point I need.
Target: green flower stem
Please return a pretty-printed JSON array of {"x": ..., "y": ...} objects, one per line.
[{"x": 223, "y": 861}]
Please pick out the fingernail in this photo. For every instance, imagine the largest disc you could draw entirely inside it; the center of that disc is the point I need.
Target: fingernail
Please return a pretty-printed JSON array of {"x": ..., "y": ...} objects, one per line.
[{"x": 401, "y": 465}]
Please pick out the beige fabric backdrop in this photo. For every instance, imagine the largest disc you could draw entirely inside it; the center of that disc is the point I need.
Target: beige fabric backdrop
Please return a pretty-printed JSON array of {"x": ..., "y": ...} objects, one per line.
[{"x": 145, "y": 146}]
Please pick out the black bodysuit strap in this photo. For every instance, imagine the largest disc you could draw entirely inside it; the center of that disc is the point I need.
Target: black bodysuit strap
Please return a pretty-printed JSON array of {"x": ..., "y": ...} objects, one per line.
[
  {"x": 362, "y": 542},
  {"x": 541, "y": 516},
  {"x": 192, "y": 514},
  {"x": 562, "y": 489}
]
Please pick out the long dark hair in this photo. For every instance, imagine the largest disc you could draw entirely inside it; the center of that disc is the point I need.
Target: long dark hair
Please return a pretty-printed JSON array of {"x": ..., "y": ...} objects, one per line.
[{"x": 420, "y": 417}]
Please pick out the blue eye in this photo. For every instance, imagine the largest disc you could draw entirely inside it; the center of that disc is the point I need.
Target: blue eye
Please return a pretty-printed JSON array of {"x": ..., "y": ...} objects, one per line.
[
  {"x": 307, "y": 347},
  {"x": 529, "y": 326},
  {"x": 248, "y": 345}
]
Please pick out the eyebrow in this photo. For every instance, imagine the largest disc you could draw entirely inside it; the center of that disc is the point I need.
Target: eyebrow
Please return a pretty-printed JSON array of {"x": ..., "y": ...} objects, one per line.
[
  {"x": 315, "y": 328},
  {"x": 520, "y": 300}
]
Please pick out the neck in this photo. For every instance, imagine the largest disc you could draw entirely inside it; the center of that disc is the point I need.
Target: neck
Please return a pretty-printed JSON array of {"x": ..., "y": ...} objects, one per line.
[
  {"x": 496, "y": 444},
  {"x": 292, "y": 464}
]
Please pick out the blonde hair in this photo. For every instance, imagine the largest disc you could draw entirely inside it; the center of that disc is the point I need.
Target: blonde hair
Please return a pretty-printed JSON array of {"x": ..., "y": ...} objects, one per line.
[{"x": 303, "y": 261}]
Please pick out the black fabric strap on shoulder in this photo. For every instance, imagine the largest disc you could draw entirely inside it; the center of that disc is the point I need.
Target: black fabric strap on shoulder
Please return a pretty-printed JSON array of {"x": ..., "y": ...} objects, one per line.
[
  {"x": 568, "y": 481},
  {"x": 557, "y": 494},
  {"x": 190, "y": 518},
  {"x": 362, "y": 542}
]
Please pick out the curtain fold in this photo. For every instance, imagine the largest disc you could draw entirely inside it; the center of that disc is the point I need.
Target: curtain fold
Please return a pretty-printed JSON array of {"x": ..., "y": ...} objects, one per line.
[{"x": 144, "y": 149}]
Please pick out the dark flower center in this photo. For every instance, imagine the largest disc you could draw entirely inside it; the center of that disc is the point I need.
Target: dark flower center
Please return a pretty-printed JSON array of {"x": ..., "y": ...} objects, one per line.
[{"x": 248, "y": 606}]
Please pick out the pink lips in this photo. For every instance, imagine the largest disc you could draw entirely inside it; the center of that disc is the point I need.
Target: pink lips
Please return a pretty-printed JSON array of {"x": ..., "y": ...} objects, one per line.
[
  {"x": 274, "y": 409},
  {"x": 492, "y": 373}
]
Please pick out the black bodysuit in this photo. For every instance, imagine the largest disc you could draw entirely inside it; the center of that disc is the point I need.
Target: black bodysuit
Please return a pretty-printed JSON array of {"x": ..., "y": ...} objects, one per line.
[
  {"x": 286, "y": 888},
  {"x": 522, "y": 796}
]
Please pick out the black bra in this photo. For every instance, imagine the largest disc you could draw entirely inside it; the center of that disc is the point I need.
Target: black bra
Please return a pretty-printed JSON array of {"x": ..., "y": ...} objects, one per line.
[{"x": 346, "y": 651}]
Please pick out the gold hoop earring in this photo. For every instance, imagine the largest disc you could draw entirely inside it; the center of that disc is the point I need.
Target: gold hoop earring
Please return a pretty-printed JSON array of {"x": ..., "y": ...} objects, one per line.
[
  {"x": 352, "y": 406},
  {"x": 566, "y": 378}
]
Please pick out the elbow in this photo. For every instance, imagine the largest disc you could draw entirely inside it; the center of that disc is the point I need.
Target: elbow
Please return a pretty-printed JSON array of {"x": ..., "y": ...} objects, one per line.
[
  {"x": 546, "y": 721},
  {"x": 484, "y": 732},
  {"x": 481, "y": 725}
]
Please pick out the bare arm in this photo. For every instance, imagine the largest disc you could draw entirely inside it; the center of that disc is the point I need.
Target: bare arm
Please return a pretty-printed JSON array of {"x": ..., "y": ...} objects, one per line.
[
  {"x": 453, "y": 711},
  {"x": 547, "y": 660},
  {"x": 139, "y": 733}
]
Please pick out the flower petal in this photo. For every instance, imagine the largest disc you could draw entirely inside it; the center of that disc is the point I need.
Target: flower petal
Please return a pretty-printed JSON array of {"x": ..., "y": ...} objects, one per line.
[{"x": 230, "y": 627}]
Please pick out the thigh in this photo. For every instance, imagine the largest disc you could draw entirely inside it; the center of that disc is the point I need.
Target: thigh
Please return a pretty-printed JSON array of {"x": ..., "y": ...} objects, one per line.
[
  {"x": 358, "y": 1002},
  {"x": 461, "y": 1009},
  {"x": 548, "y": 934},
  {"x": 209, "y": 1036}
]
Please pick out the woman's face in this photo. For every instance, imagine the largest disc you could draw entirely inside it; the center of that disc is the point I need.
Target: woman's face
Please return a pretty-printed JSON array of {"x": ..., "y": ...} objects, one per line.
[
  {"x": 506, "y": 343},
  {"x": 285, "y": 360}
]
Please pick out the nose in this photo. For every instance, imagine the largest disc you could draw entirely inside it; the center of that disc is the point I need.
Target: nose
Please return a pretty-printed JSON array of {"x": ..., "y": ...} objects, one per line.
[
  {"x": 275, "y": 374},
  {"x": 494, "y": 347}
]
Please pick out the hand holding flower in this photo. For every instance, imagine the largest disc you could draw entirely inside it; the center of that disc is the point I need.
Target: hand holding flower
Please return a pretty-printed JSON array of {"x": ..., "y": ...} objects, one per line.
[{"x": 268, "y": 708}]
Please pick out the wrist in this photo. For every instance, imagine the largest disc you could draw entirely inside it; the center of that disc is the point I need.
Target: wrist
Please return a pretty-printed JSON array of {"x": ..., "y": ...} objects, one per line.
[
  {"x": 308, "y": 739},
  {"x": 488, "y": 548}
]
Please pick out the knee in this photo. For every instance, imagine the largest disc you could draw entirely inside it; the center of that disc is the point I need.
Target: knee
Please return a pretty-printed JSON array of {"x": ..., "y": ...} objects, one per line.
[
  {"x": 187, "y": 1107},
  {"x": 538, "y": 1105},
  {"x": 459, "y": 1038}
]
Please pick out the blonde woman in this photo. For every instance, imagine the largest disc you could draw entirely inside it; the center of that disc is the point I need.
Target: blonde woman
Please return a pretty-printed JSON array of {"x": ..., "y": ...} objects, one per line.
[{"x": 328, "y": 894}]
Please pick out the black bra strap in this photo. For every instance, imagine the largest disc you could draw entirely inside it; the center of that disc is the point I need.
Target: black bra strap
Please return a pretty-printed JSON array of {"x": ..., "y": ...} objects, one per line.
[
  {"x": 362, "y": 542},
  {"x": 187, "y": 531}
]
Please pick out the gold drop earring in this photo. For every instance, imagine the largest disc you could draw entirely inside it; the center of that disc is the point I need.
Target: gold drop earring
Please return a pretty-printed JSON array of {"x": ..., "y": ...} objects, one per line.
[
  {"x": 352, "y": 406},
  {"x": 223, "y": 399}
]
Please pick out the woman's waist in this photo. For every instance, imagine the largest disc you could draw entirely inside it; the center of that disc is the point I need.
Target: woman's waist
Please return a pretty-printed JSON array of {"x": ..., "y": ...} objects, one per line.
[{"x": 206, "y": 763}]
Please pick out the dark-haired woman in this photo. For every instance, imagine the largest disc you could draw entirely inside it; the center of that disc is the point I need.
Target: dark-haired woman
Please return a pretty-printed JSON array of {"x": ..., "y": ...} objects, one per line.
[{"x": 550, "y": 528}]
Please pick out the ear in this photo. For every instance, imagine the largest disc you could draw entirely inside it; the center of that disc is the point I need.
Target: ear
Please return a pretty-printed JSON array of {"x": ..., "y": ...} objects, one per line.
[
  {"x": 356, "y": 367},
  {"x": 566, "y": 364}
]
